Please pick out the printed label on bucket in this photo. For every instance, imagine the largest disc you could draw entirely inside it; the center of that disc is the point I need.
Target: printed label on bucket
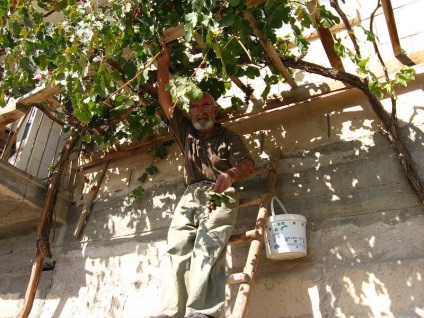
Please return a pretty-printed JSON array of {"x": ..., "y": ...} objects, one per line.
[{"x": 285, "y": 237}]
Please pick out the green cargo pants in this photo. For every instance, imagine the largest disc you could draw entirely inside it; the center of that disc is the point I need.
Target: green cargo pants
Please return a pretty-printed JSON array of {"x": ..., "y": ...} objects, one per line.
[{"x": 194, "y": 280}]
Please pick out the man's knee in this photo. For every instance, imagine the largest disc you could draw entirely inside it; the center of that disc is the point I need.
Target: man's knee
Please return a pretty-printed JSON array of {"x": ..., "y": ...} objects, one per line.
[{"x": 180, "y": 242}]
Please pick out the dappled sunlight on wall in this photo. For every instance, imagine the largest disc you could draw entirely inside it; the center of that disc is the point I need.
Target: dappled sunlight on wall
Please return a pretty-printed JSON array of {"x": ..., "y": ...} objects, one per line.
[
  {"x": 371, "y": 293},
  {"x": 337, "y": 169},
  {"x": 122, "y": 285},
  {"x": 350, "y": 271}
]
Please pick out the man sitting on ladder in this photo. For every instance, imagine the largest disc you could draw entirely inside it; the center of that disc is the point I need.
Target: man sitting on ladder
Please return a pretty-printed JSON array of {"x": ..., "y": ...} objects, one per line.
[{"x": 216, "y": 158}]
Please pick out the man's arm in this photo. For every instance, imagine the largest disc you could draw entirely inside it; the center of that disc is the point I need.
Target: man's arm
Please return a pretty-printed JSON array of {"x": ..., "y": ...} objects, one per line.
[
  {"x": 234, "y": 174},
  {"x": 165, "y": 99}
]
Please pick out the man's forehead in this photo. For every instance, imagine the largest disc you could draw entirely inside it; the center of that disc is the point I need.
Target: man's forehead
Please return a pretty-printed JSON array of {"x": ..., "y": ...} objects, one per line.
[{"x": 205, "y": 100}]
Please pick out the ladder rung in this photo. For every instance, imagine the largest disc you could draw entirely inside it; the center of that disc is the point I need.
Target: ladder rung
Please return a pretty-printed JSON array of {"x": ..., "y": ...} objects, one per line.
[
  {"x": 244, "y": 203},
  {"x": 238, "y": 278},
  {"x": 261, "y": 170},
  {"x": 242, "y": 237}
]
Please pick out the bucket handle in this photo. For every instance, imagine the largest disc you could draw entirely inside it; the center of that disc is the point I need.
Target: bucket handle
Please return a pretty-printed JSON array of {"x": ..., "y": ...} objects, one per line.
[{"x": 279, "y": 202}]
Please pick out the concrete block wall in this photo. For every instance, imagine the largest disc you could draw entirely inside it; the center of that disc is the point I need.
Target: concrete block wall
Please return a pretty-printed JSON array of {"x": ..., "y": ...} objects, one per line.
[{"x": 338, "y": 169}]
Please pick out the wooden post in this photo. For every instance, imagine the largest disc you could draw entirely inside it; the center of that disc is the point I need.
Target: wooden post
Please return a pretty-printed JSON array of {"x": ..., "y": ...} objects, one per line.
[
  {"x": 87, "y": 205},
  {"x": 325, "y": 36},
  {"x": 44, "y": 227},
  {"x": 8, "y": 149},
  {"x": 249, "y": 271},
  {"x": 269, "y": 49}
]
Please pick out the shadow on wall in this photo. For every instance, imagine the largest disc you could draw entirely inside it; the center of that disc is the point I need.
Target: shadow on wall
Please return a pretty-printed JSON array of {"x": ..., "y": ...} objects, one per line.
[
  {"x": 365, "y": 224},
  {"x": 348, "y": 182}
]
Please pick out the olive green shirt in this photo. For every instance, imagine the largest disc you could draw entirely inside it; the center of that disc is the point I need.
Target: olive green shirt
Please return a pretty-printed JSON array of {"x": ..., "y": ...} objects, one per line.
[{"x": 206, "y": 158}]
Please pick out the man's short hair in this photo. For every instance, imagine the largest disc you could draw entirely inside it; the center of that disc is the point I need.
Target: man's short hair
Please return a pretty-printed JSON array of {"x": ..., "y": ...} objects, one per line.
[{"x": 205, "y": 94}]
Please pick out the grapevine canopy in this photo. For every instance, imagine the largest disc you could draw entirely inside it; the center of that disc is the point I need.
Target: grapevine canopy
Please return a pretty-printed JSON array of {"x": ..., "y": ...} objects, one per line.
[{"x": 101, "y": 55}]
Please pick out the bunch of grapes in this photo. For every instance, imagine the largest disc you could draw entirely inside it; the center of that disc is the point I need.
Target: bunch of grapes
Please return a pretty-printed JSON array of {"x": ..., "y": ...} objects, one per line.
[
  {"x": 211, "y": 205},
  {"x": 215, "y": 199}
]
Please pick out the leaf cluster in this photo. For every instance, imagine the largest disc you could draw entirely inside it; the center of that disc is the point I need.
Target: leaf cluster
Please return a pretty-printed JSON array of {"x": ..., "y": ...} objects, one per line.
[
  {"x": 216, "y": 199},
  {"x": 102, "y": 56},
  {"x": 160, "y": 152}
]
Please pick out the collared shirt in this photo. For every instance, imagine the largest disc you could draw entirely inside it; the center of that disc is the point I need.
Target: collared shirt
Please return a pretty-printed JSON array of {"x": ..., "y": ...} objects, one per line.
[{"x": 206, "y": 158}]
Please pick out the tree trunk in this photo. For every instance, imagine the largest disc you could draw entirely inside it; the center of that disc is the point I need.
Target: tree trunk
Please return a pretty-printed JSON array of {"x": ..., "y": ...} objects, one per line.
[
  {"x": 44, "y": 227},
  {"x": 389, "y": 124}
]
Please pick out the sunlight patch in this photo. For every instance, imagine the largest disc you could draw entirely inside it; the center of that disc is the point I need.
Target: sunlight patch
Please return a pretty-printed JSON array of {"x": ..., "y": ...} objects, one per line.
[
  {"x": 371, "y": 241},
  {"x": 314, "y": 297},
  {"x": 160, "y": 200},
  {"x": 376, "y": 297},
  {"x": 264, "y": 156},
  {"x": 335, "y": 198}
]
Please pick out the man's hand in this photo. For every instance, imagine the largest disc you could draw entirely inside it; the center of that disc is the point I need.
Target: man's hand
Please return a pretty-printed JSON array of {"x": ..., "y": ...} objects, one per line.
[
  {"x": 227, "y": 178},
  {"x": 223, "y": 182}
]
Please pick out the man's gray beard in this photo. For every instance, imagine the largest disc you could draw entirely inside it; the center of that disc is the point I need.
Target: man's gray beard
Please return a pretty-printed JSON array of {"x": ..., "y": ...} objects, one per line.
[{"x": 204, "y": 126}]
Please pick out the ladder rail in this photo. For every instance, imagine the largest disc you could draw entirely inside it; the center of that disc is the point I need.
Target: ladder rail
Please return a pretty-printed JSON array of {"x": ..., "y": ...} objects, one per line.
[{"x": 256, "y": 236}]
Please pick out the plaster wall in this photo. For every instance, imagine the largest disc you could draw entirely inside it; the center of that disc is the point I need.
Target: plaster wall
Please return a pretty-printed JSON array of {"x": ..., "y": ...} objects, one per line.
[
  {"x": 365, "y": 225},
  {"x": 337, "y": 168}
]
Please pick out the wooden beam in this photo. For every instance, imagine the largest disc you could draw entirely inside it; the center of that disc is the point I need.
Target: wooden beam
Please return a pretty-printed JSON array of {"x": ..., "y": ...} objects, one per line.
[
  {"x": 40, "y": 95},
  {"x": 10, "y": 113},
  {"x": 325, "y": 36},
  {"x": 253, "y": 3},
  {"x": 243, "y": 87},
  {"x": 121, "y": 151},
  {"x": 173, "y": 33},
  {"x": 393, "y": 65},
  {"x": 53, "y": 104},
  {"x": 269, "y": 49},
  {"x": 391, "y": 25},
  {"x": 17, "y": 108},
  {"x": 308, "y": 91}
]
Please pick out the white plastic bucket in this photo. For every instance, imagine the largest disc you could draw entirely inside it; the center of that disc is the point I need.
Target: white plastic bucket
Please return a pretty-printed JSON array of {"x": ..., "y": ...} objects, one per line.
[{"x": 285, "y": 235}]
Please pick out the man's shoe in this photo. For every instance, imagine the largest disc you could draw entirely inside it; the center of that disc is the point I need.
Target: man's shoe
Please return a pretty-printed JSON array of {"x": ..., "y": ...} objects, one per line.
[{"x": 198, "y": 315}]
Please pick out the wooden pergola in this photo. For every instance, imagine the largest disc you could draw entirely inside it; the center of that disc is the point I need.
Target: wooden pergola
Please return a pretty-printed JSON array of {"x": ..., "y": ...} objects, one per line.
[{"x": 17, "y": 109}]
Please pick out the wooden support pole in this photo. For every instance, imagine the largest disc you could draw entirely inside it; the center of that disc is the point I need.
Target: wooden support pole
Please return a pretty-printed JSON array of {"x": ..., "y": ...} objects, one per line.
[
  {"x": 391, "y": 25},
  {"x": 249, "y": 271},
  {"x": 11, "y": 141},
  {"x": 43, "y": 231},
  {"x": 325, "y": 36},
  {"x": 245, "y": 288},
  {"x": 87, "y": 205},
  {"x": 269, "y": 49}
]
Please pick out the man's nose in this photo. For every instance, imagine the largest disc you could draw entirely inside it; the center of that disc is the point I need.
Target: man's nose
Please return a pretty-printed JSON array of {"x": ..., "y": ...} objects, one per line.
[{"x": 201, "y": 111}]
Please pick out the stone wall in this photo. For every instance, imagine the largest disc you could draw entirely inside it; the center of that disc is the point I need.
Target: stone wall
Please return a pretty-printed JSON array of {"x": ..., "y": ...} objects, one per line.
[{"x": 365, "y": 225}]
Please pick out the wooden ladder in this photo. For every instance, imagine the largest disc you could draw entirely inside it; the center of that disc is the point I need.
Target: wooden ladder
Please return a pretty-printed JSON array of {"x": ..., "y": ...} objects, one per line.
[{"x": 255, "y": 236}]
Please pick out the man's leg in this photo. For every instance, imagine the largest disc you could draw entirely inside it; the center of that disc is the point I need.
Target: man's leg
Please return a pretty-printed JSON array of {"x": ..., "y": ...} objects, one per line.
[
  {"x": 207, "y": 271},
  {"x": 180, "y": 245}
]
